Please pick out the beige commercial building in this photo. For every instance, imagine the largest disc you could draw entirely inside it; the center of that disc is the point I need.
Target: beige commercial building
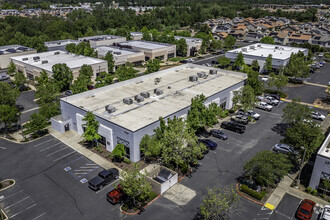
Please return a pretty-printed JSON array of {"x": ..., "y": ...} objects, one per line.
[
  {"x": 136, "y": 35},
  {"x": 102, "y": 40},
  {"x": 151, "y": 50},
  {"x": 33, "y": 64},
  {"x": 11, "y": 51}
]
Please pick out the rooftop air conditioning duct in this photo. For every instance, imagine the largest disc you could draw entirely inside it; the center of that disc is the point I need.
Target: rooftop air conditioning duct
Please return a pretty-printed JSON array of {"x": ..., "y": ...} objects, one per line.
[
  {"x": 139, "y": 98},
  {"x": 25, "y": 59},
  {"x": 44, "y": 61},
  {"x": 56, "y": 52},
  {"x": 127, "y": 101},
  {"x": 110, "y": 109},
  {"x": 201, "y": 74},
  {"x": 145, "y": 94},
  {"x": 213, "y": 72},
  {"x": 158, "y": 91},
  {"x": 193, "y": 78}
]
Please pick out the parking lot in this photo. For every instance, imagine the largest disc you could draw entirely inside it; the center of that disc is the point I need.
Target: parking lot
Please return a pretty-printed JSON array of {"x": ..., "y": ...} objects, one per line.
[{"x": 51, "y": 182}]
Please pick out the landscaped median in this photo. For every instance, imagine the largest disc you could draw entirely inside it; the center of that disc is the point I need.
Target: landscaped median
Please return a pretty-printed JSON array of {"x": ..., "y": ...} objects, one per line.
[
  {"x": 241, "y": 189},
  {"x": 5, "y": 184},
  {"x": 134, "y": 211},
  {"x": 3, "y": 215}
]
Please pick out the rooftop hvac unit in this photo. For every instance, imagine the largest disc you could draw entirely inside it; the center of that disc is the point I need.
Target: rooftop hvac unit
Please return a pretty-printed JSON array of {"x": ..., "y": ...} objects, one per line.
[
  {"x": 117, "y": 53},
  {"x": 36, "y": 58},
  {"x": 25, "y": 59},
  {"x": 110, "y": 109},
  {"x": 56, "y": 52},
  {"x": 213, "y": 72},
  {"x": 259, "y": 45},
  {"x": 252, "y": 47},
  {"x": 193, "y": 78},
  {"x": 244, "y": 49},
  {"x": 127, "y": 101},
  {"x": 44, "y": 61},
  {"x": 276, "y": 47},
  {"x": 145, "y": 94},
  {"x": 201, "y": 74},
  {"x": 158, "y": 91},
  {"x": 139, "y": 98}
]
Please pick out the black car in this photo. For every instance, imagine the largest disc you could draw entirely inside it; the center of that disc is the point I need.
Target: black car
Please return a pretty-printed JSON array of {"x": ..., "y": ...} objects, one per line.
[
  {"x": 218, "y": 134},
  {"x": 104, "y": 177},
  {"x": 208, "y": 143},
  {"x": 233, "y": 126}
]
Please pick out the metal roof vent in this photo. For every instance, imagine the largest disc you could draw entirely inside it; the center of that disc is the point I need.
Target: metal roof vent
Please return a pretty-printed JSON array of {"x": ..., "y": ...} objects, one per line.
[
  {"x": 158, "y": 91},
  {"x": 56, "y": 52},
  {"x": 259, "y": 45},
  {"x": 139, "y": 98},
  {"x": 110, "y": 109},
  {"x": 213, "y": 71},
  {"x": 44, "y": 61},
  {"x": 128, "y": 101},
  {"x": 37, "y": 58},
  {"x": 25, "y": 59},
  {"x": 276, "y": 47},
  {"x": 201, "y": 74},
  {"x": 252, "y": 47},
  {"x": 193, "y": 78},
  {"x": 145, "y": 94},
  {"x": 244, "y": 49}
]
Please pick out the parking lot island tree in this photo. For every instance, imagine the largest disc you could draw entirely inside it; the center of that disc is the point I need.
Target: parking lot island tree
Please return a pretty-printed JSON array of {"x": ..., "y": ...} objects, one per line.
[
  {"x": 103, "y": 79},
  {"x": 11, "y": 69},
  {"x": 8, "y": 115},
  {"x": 153, "y": 66},
  {"x": 219, "y": 203},
  {"x": 196, "y": 118},
  {"x": 49, "y": 109},
  {"x": 297, "y": 67},
  {"x": 36, "y": 124},
  {"x": 229, "y": 41},
  {"x": 295, "y": 112},
  {"x": 245, "y": 97},
  {"x": 91, "y": 127},
  {"x": 83, "y": 80},
  {"x": 126, "y": 72},
  {"x": 254, "y": 82},
  {"x": 269, "y": 63},
  {"x": 239, "y": 61},
  {"x": 62, "y": 75},
  {"x": 278, "y": 81},
  {"x": 224, "y": 62},
  {"x": 20, "y": 80},
  {"x": 8, "y": 94},
  {"x": 47, "y": 92}
]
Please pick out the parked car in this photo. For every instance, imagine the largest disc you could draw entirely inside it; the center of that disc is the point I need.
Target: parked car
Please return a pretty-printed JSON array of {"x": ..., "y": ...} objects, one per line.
[
  {"x": 211, "y": 145},
  {"x": 283, "y": 148},
  {"x": 318, "y": 116},
  {"x": 116, "y": 196},
  {"x": 274, "y": 96},
  {"x": 325, "y": 213},
  {"x": 295, "y": 81},
  {"x": 183, "y": 61},
  {"x": 265, "y": 78},
  {"x": 218, "y": 134},
  {"x": 104, "y": 177},
  {"x": 242, "y": 119},
  {"x": 220, "y": 52},
  {"x": 305, "y": 209},
  {"x": 321, "y": 54},
  {"x": 272, "y": 100},
  {"x": 190, "y": 60},
  {"x": 250, "y": 113},
  {"x": 90, "y": 87},
  {"x": 68, "y": 92},
  {"x": 19, "y": 107},
  {"x": 233, "y": 126},
  {"x": 264, "y": 106},
  {"x": 3, "y": 76}
]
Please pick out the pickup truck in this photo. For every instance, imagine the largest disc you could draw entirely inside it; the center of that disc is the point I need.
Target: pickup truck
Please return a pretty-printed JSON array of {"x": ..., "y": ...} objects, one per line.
[
  {"x": 264, "y": 106},
  {"x": 117, "y": 195},
  {"x": 268, "y": 99},
  {"x": 250, "y": 113},
  {"x": 104, "y": 177},
  {"x": 233, "y": 126},
  {"x": 240, "y": 119}
]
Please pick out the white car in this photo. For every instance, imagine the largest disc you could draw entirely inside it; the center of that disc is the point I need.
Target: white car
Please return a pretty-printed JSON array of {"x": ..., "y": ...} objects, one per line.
[
  {"x": 321, "y": 54},
  {"x": 325, "y": 213},
  {"x": 190, "y": 60},
  {"x": 254, "y": 115},
  {"x": 318, "y": 116},
  {"x": 265, "y": 78},
  {"x": 272, "y": 100},
  {"x": 264, "y": 106},
  {"x": 3, "y": 76}
]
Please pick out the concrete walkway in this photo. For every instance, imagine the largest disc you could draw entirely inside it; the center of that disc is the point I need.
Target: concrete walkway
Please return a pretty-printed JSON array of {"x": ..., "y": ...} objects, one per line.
[
  {"x": 308, "y": 104},
  {"x": 315, "y": 84},
  {"x": 303, "y": 195}
]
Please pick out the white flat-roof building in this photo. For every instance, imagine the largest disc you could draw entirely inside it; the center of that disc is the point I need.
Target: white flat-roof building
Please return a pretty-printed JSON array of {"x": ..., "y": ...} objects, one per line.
[
  {"x": 121, "y": 55},
  {"x": 259, "y": 52},
  {"x": 60, "y": 44},
  {"x": 130, "y": 109},
  {"x": 136, "y": 35},
  {"x": 11, "y": 51},
  {"x": 151, "y": 49},
  {"x": 321, "y": 168},
  {"x": 102, "y": 40},
  {"x": 194, "y": 44},
  {"x": 32, "y": 65}
]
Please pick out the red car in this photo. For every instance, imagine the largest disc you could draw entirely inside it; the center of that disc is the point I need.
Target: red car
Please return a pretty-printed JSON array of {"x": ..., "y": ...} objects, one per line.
[
  {"x": 306, "y": 209},
  {"x": 115, "y": 196}
]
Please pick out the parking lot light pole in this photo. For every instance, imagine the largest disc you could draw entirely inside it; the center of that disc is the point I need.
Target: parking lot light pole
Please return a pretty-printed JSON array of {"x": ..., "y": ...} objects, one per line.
[{"x": 301, "y": 165}]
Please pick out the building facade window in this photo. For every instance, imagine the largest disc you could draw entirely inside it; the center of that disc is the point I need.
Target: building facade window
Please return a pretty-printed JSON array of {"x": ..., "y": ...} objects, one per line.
[
  {"x": 223, "y": 103},
  {"x": 103, "y": 140}
]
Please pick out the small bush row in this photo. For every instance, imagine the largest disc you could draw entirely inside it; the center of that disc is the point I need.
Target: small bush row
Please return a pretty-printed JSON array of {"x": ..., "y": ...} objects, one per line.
[
  {"x": 311, "y": 191},
  {"x": 253, "y": 193}
]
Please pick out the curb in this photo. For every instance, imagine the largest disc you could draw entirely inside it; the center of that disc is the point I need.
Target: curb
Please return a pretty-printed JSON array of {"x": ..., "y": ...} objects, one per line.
[
  {"x": 137, "y": 212},
  {"x": 3, "y": 214},
  {"x": 19, "y": 142},
  {"x": 181, "y": 178},
  {"x": 9, "y": 185},
  {"x": 252, "y": 200}
]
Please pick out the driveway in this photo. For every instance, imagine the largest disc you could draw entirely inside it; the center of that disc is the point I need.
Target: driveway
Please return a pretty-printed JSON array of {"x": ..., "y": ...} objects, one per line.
[
  {"x": 26, "y": 99},
  {"x": 321, "y": 76}
]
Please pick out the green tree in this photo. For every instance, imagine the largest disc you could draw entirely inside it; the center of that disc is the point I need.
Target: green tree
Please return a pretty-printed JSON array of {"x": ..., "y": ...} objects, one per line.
[
  {"x": 111, "y": 62},
  {"x": 47, "y": 92},
  {"x": 103, "y": 79},
  {"x": 269, "y": 63},
  {"x": 265, "y": 167},
  {"x": 239, "y": 61},
  {"x": 215, "y": 44},
  {"x": 36, "y": 123},
  {"x": 297, "y": 66},
  {"x": 83, "y": 80},
  {"x": 49, "y": 110},
  {"x": 126, "y": 72},
  {"x": 91, "y": 134},
  {"x": 8, "y": 95},
  {"x": 219, "y": 203},
  {"x": 254, "y": 82},
  {"x": 62, "y": 75},
  {"x": 119, "y": 152},
  {"x": 255, "y": 65},
  {"x": 71, "y": 48},
  {"x": 43, "y": 78},
  {"x": 150, "y": 146},
  {"x": 267, "y": 40},
  {"x": 20, "y": 80},
  {"x": 181, "y": 47},
  {"x": 135, "y": 185},
  {"x": 230, "y": 41},
  {"x": 224, "y": 61},
  {"x": 278, "y": 81},
  {"x": 245, "y": 97},
  {"x": 11, "y": 69},
  {"x": 295, "y": 112},
  {"x": 152, "y": 66},
  {"x": 196, "y": 118},
  {"x": 8, "y": 115}
]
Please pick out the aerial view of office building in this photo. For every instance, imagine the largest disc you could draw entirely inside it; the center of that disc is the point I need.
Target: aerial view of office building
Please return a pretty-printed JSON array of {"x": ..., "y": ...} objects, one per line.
[
  {"x": 260, "y": 51},
  {"x": 11, "y": 51},
  {"x": 102, "y": 40},
  {"x": 136, "y": 35},
  {"x": 194, "y": 44},
  {"x": 60, "y": 44},
  {"x": 130, "y": 109},
  {"x": 32, "y": 64}
]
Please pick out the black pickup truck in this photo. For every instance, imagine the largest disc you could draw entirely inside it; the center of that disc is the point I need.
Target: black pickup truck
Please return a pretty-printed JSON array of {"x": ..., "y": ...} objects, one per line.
[
  {"x": 233, "y": 126},
  {"x": 104, "y": 177}
]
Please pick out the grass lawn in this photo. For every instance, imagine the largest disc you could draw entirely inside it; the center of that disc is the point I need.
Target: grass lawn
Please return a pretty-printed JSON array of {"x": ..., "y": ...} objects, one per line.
[{"x": 177, "y": 59}]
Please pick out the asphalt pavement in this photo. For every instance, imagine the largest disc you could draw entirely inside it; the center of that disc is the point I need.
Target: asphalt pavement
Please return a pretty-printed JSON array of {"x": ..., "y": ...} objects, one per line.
[
  {"x": 26, "y": 99},
  {"x": 208, "y": 59}
]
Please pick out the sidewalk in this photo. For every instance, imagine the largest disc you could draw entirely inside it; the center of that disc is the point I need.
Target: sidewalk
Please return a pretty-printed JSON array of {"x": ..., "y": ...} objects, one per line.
[
  {"x": 308, "y": 104},
  {"x": 303, "y": 195},
  {"x": 72, "y": 139}
]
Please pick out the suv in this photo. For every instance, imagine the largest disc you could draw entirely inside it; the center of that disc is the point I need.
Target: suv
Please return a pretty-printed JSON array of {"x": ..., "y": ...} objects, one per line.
[
  {"x": 211, "y": 145},
  {"x": 218, "y": 134},
  {"x": 240, "y": 119},
  {"x": 283, "y": 148},
  {"x": 233, "y": 126},
  {"x": 264, "y": 106},
  {"x": 325, "y": 213},
  {"x": 272, "y": 100},
  {"x": 318, "y": 116},
  {"x": 104, "y": 177},
  {"x": 117, "y": 195}
]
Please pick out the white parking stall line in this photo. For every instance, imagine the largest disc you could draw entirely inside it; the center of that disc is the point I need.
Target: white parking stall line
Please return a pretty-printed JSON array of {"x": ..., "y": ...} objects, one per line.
[
  {"x": 50, "y": 146},
  {"x": 83, "y": 170},
  {"x": 56, "y": 151},
  {"x": 23, "y": 210},
  {"x": 3, "y": 148},
  {"x": 94, "y": 167},
  {"x": 91, "y": 164},
  {"x": 39, "y": 216},
  {"x": 79, "y": 173},
  {"x": 6, "y": 197},
  {"x": 107, "y": 186},
  {"x": 64, "y": 156},
  {"x": 43, "y": 142},
  {"x": 16, "y": 203},
  {"x": 30, "y": 110}
]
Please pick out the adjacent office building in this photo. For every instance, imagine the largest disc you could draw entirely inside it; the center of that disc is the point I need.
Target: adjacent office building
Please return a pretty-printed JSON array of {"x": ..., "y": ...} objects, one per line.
[
  {"x": 130, "y": 109},
  {"x": 33, "y": 64},
  {"x": 151, "y": 50},
  {"x": 60, "y": 44},
  {"x": 259, "y": 52},
  {"x": 102, "y": 40},
  {"x": 136, "y": 35},
  {"x": 11, "y": 51},
  {"x": 194, "y": 44}
]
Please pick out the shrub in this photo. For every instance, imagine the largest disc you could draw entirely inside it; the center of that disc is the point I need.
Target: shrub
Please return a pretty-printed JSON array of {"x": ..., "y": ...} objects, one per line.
[
  {"x": 101, "y": 151},
  {"x": 126, "y": 160},
  {"x": 314, "y": 192},
  {"x": 0, "y": 185},
  {"x": 322, "y": 196},
  {"x": 253, "y": 193},
  {"x": 11, "y": 182},
  {"x": 231, "y": 111},
  {"x": 109, "y": 156},
  {"x": 119, "y": 152},
  {"x": 309, "y": 189}
]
